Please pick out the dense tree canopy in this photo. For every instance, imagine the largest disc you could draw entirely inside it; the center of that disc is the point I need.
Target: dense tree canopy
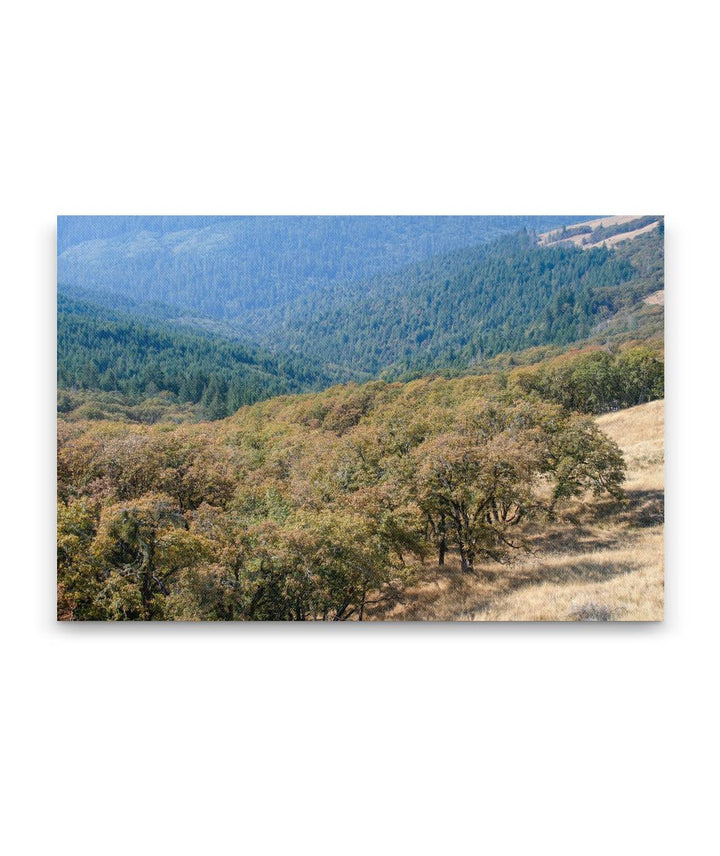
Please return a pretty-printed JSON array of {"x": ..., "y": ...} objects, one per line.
[
  {"x": 99, "y": 349},
  {"x": 597, "y": 381},
  {"x": 311, "y": 507},
  {"x": 225, "y": 267},
  {"x": 457, "y": 309},
  {"x": 449, "y": 313}
]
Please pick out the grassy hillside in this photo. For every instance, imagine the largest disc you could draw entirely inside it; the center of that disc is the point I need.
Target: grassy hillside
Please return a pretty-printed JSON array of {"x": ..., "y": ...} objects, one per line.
[
  {"x": 603, "y": 232},
  {"x": 600, "y": 561}
]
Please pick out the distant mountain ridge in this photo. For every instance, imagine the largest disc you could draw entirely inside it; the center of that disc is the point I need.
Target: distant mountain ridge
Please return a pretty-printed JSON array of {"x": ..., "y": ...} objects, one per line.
[
  {"x": 457, "y": 309},
  {"x": 73, "y": 230},
  {"x": 239, "y": 309},
  {"x": 229, "y": 266}
]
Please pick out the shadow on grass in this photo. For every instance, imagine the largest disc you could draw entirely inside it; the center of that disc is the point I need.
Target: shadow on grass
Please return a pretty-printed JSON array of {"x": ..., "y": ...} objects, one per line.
[
  {"x": 443, "y": 594},
  {"x": 647, "y": 508},
  {"x": 576, "y": 549},
  {"x": 640, "y": 508}
]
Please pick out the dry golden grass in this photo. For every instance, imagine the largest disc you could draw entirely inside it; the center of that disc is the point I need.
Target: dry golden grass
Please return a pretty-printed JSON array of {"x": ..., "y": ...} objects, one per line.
[
  {"x": 604, "y": 561},
  {"x": 640, "y": 433},
  {"x": 657, "y": 298},
  {"x": 555, "y": 235},
  {"x": 623, "y": 582},
  {"x": 615, "y": 220},
  {"x": 624, "y": 236}
]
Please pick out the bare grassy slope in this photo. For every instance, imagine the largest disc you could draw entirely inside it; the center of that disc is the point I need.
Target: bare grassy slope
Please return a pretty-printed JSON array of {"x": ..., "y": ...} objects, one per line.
[
  {"x": 554, "y": 234},
  {"x": 585, "y": 242},
  {"x": 657, "y": 298},
  {"x": 602, "y": 562}
]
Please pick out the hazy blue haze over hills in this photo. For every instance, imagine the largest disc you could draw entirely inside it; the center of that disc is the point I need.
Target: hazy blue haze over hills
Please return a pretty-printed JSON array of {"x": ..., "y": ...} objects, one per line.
[
  {"x": 223, "y": 267},
  {"x": 73, "y": 229},
  {"x": 223, "y": 311}
]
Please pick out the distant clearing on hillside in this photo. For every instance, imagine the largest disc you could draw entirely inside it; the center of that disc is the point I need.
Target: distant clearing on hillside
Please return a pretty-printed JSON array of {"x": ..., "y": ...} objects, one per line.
[
  {"x": 603, "y": 232},
  {"x": 657, "y": 298}
]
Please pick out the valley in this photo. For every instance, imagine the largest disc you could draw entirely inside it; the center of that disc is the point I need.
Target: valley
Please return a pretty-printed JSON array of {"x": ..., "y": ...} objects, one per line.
[
  {"x": 217, "y": 345},
  {"x": 394, "y": 419}
]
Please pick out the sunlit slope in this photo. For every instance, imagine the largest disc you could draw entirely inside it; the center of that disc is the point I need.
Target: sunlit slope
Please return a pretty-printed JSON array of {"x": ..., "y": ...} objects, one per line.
[
  {"x": 602, "y": 232},
  {"x": 618, "y": 572},
  {"x": 599, "y": 562}
]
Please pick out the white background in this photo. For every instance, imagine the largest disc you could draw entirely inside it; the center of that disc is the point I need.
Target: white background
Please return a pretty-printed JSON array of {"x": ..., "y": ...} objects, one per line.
[{"x": 357, "y": 739}]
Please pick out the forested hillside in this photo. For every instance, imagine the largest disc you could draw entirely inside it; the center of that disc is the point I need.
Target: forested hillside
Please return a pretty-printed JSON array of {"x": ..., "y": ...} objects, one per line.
[
  {"x": 224, "y": 267},
  {"x": 240, "y": 435},
  {"x": 74, "y": 230},
  {"x": 331, "y": 505},
  {"x": 99, "y": 349},
  {"x": 458, "y": 309},
  {"x": 450, "y": 313},
  {"x": 313, "y": 507}
]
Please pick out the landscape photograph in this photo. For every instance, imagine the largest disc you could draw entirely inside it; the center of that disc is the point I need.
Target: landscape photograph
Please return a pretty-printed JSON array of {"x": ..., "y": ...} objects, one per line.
[
  {"x": 360, "y": 418},
  {"x": 340, "y": 475}
]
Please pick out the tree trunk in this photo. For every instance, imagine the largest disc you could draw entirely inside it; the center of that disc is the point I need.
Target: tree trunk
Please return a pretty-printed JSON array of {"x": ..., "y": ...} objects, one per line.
[
  {"x": 147, "y": 571},
  {"x": 442, "y": 546},
  {"x": 467, "y": 562}
]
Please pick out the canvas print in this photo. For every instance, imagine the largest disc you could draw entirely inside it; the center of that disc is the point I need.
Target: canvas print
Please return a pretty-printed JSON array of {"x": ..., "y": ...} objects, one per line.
[{"x": 360, "y": 418}]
